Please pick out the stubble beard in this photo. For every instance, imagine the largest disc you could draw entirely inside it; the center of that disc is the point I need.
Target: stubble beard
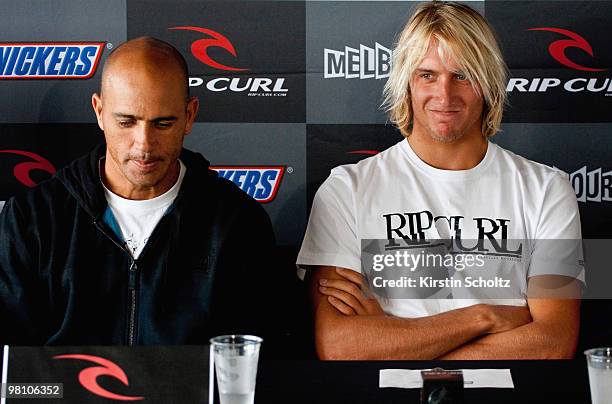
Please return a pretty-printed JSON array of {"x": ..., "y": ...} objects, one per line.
[
  {"x": 445, "y": 138},
  {"x": 436, "y": 136}
]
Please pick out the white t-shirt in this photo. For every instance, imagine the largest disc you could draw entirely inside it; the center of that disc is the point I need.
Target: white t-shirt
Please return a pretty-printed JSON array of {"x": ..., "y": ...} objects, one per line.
[
  {"x": 138, "y": 218},
  {"x": 396, "y": 194}
]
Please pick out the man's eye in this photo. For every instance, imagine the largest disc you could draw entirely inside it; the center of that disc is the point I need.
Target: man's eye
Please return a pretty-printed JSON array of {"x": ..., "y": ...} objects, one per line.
[
  {"x": 163, "y": 125},
  {"x": 125, "y": 124},
  {"x": 426, "y": 76},
  {"x": 460, "y": 77}
]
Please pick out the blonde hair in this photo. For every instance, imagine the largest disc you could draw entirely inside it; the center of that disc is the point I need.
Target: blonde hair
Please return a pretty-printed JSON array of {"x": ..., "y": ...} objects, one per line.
[{"x": 464, "y": 35}]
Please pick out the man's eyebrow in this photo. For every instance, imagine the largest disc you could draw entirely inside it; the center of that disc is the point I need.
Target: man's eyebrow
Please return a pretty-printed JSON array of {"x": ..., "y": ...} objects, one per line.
[
  {"x": 125, "y": 116},
  {"x": 164, "y": 118},
  {"x": 136, "y": 118}
]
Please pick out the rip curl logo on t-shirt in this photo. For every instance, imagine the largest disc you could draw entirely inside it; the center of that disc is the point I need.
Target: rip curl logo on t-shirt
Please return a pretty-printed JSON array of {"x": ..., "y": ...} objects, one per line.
[{"x": 492, "y": 234}]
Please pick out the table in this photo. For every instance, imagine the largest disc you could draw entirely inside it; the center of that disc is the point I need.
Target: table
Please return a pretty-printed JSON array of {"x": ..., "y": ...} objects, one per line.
[
  {"x": 319, "y": 382},
  {"x": 169, "y": 375}
]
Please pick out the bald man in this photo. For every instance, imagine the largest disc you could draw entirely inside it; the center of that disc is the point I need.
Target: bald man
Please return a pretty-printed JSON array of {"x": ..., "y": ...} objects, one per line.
[{"x": 138, "y": 242}]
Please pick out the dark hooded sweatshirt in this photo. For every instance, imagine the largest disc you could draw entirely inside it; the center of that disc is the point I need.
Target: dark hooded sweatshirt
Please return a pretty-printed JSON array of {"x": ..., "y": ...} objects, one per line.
[{"x": 66, "y": 278}]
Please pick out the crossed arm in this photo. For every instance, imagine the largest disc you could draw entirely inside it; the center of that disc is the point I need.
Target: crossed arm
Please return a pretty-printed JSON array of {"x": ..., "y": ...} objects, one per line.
[{"x": 349, "y": 325}]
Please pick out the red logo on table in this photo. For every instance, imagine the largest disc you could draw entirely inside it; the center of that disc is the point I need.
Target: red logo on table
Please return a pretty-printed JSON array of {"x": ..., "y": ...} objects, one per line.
[
  {"x": 88, "y": 377},
  {"x": 557, "y": 48},
  {"x": 22, "y": 170},
  {"x": 200, "y": 47}
]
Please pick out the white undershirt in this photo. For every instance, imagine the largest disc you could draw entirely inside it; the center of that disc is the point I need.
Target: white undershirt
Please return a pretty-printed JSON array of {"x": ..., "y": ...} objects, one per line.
[{"x": 137, "y": 219}]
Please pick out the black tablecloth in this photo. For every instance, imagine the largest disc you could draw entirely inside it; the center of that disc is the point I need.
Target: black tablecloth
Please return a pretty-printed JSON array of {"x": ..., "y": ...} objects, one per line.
[
  {"x": 165, "y": 374},
  {"x": 319, "y": 382}
]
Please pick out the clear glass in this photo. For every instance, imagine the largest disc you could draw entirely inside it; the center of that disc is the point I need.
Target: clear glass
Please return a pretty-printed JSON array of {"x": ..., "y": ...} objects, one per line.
[
  {"x": 236, "y": 358},
  {"x": 599, "y": 362}
]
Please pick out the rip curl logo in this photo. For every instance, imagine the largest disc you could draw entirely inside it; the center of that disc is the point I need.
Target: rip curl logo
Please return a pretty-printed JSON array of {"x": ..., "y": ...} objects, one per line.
[
  {"x": 492, "y": 236},
  {"x": 200, "y": 47},
  {"x": 88, "y": 377},
  {"x": 364, "y": 152},
  {"x": 557, "y": 48},
  {"x": 23, "y": 170}
]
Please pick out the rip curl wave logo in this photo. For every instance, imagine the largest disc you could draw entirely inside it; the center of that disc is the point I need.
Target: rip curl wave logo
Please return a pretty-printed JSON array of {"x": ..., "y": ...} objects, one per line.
[
  {"x": 22, "y": 170},
  {"x": 200, "y": 47},
  {"x": 88, "y": 376},
  {"x": 364, "y": 152},
  {"x": 557, "y": 48}
]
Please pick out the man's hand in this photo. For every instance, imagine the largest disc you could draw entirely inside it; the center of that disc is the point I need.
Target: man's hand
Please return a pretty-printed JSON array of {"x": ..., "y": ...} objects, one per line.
[{"x": 349, "y": 294}]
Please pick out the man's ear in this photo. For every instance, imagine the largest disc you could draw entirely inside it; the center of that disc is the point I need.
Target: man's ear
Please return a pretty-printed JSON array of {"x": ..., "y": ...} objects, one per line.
[
  {"x": 96, "y": 103},
  {"x": 192, "y": 110}
]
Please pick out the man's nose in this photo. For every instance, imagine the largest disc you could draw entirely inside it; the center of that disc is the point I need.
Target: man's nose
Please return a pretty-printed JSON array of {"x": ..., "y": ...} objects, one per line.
[
  {"x": 444, "y": 90},
  {"x": 143, "y": 136}
]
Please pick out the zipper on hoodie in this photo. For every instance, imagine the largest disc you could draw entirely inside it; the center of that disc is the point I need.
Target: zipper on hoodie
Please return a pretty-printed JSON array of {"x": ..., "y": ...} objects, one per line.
[
  {"x": 132, "y": 276},
  {"x": 133, "y": 273}
]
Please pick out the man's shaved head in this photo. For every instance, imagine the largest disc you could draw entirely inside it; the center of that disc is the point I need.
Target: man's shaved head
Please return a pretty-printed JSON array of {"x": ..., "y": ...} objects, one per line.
[
  {"x": 148, "y": 55},
  {"x": 145, "y": 111}
]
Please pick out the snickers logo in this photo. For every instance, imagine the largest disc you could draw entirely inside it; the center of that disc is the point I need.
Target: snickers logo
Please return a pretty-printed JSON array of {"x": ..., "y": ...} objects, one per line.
[
  {"x": 46, "y": 60},
  {"x": 260, "y": 182}
]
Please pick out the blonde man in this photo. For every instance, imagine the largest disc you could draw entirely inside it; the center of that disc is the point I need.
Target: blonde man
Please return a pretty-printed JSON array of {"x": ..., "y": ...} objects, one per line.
[{"x": 446, "y": 180}]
